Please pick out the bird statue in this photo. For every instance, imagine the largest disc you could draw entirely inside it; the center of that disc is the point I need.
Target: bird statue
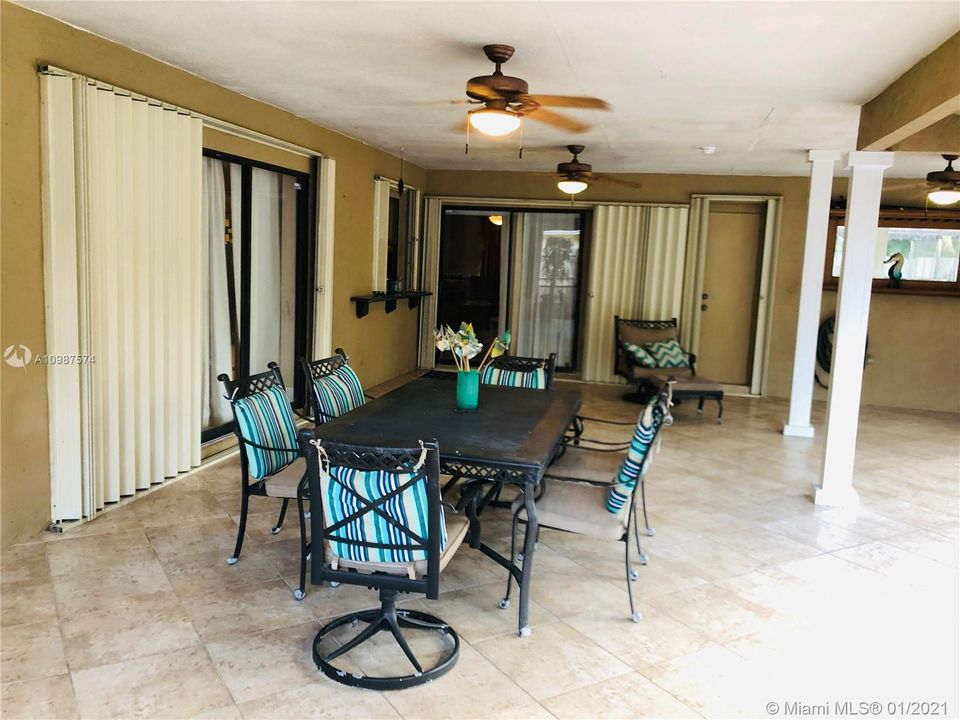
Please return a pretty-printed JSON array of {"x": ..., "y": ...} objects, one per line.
[{"x": 895, "y": 271}]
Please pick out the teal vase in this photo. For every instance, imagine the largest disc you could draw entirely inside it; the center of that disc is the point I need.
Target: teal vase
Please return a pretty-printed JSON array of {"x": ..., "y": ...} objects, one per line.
[{"x": 468, "y": 390}]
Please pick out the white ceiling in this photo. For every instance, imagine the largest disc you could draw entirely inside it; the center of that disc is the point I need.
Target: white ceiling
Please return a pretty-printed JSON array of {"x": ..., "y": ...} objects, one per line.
[{"x": 762, "y": 81}]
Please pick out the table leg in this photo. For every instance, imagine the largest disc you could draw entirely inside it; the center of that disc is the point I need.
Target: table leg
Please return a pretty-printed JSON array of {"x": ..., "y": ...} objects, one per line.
[{"x": 529, "y": 545}]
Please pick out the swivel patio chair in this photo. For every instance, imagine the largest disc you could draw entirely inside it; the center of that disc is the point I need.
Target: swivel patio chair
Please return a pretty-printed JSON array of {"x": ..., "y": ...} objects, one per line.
[
  {"x": 334, "y": 387},
  {"x": 521, "y": 372},
  {"x": 384, "y": 527},
  {"x": 266, "y": 430},
  {"x": 588, "y": 503}
]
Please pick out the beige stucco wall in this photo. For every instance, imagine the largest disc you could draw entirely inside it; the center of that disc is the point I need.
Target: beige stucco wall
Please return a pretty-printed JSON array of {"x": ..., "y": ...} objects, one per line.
[
  {"x": 914, "y": 340},
  {"x": 381, "y": 346}
]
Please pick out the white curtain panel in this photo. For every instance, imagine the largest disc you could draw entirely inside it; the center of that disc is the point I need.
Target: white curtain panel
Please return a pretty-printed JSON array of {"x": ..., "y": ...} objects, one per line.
[
  {"x": 265, "y": 264},
  {"x": 636, "y": 271},
  {"x": 665, "y": 248},
  {"x": 548, "y": 299},
  {"x": 217, "y": 351},
  {"x": 129, "y": 239},
  {"x": 614, "y": 283}
]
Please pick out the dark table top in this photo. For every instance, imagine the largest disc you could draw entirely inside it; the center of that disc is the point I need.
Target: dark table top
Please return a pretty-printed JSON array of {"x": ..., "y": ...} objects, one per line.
[{"x": 514, "y": 430}]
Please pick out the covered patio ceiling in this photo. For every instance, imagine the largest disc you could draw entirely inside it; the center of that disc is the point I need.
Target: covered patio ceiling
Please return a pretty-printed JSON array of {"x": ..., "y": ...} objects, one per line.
[{"x": 763, "y": 82}]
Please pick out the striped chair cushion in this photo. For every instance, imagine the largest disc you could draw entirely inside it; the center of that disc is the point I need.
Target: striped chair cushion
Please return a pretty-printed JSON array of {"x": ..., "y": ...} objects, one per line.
[
  {"x": 337, "y": 393},
  {"x": 532, "y": 379},
  {"x": 635, "y": 462},
  {"x": 265, "y": 418},
  {"x": 408, "y": 509},
  {"x": 668, "y": 354},
  {"x": 640, "y": 355}
]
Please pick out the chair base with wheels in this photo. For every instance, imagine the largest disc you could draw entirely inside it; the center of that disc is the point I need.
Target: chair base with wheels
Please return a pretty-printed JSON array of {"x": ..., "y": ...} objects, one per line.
[{"x": 386, "y": 619}]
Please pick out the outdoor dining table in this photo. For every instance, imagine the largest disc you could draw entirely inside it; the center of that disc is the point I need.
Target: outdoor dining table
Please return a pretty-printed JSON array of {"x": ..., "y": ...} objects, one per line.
[{"x": 511, "y": 438}]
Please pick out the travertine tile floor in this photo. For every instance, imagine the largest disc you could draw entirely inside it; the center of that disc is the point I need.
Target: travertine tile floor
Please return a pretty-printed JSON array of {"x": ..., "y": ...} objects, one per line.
[{"x": 752, "y": 596}]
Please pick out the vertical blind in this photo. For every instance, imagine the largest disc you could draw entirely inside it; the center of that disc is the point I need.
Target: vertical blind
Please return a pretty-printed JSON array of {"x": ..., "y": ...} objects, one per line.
[
  {"x": 123, "y": 257},
  {"x": 636, "y": 270}
]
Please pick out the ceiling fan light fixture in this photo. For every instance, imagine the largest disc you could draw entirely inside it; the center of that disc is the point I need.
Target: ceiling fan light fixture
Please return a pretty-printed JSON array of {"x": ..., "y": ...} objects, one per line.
[
  {"x": 944, "y": 197},
  {"x": 496, "y": 219},
  {"x": 493, "y": 122},
  {"x": 572, "y": 187}
]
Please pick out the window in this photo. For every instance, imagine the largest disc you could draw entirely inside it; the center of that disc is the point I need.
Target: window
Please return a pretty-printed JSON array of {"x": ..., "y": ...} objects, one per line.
[
  {"x": 255, "y": 277},
  {"x": 395, "y": 267},
  {"x": 929, "y": 243}
]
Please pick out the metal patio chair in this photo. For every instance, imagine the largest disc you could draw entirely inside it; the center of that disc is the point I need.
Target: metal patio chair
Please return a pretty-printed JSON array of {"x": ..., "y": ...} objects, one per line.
[
  {"x": 522, "y": 372},
  {"x": 334, "y": 387},
  {"x": 266, "y": 430},
  {"x": 587, "y": 502}
]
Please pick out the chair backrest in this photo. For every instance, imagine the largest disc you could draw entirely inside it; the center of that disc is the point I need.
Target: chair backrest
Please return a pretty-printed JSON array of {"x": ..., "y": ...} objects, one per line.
[
  {"x": 262, "y": 421},
  {"x": 381, "y": 507},
  {"x": 651, "y": 421},
  {"x": 522, "y": 372},
  {"x": 638, "y": 332},
  {"x": 335, "y": 388}
]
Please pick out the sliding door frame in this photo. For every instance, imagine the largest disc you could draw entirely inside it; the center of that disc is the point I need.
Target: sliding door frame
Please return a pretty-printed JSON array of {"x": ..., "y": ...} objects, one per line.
[
  {"x": 303, "y": 317},
  {"x": 434, "y": 206}
]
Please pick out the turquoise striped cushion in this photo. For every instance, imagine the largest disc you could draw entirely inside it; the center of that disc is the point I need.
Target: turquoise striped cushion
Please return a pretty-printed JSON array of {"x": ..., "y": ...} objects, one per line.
[
  {"x": 338, "y": 393},
  {"x": 408, "y": 509},
  {"x": 668, "y": 354},
  {"x": 532, "y": 379},
  {"x": 640, "y": 355},
  {"x": 266, "y": 419},
  {"x": 634, "y": 464}
]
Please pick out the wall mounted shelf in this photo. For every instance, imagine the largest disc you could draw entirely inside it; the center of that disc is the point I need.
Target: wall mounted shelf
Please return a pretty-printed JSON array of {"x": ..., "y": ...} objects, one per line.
[{"x": 389, "y": 300}]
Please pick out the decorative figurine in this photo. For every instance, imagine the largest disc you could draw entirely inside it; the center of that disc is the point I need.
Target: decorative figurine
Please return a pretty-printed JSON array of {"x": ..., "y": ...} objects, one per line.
[{"x": 895, "y": 271}]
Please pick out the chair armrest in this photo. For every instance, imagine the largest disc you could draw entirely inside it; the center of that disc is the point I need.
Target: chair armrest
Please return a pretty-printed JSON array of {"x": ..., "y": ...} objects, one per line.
[{"x": 271, "y": 448}]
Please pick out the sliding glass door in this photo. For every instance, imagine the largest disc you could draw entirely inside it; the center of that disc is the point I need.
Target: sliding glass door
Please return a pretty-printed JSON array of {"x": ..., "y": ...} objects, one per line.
[
  {"x": 518, "y": 270},
  {"x": 256, "y": 274}
]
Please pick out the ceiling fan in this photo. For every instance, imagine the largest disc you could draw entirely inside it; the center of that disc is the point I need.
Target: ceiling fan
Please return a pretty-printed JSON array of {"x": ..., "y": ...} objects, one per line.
[
  {"x": 507, "y": 101},
  {"x": 942, "y": 186},
  {"x": 575, "y": 174}
]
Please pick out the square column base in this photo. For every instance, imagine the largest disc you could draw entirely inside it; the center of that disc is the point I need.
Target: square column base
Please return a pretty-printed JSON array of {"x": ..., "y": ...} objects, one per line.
[
  {"x": 807, "y": 431},
  {"x": 839, "y": 497}
]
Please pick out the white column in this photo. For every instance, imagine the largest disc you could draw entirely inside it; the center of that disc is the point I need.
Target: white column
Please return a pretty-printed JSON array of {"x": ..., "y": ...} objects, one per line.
[
  {"x": 811, "y": 287},
  {"x": 850, "y": 335}
]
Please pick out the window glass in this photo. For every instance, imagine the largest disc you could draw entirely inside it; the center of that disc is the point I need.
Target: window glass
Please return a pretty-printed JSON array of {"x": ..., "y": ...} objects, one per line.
[{"x": 929, "y": 254}]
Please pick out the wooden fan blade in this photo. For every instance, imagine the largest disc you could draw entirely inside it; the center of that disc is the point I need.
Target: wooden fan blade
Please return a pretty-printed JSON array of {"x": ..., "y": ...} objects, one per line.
[
  {"x": 906, "y": 184},
  {"x": 570, "y": 101},
  {"x": 483, "y": 91},
  {"x": 556, "y": 119},
  {"x": 617, "y": 180}
]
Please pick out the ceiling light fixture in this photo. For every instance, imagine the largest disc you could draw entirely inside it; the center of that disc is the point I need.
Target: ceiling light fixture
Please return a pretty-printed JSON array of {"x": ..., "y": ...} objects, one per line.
[
  {"x": 709, "y": 149},
  {"x": 947, "y": 181},
  {"x": 494, "y": 122},
  {"x": 496, "y": 219},
  {"x": 944, "y": 197},
  {"x": 572, "y": 187}
]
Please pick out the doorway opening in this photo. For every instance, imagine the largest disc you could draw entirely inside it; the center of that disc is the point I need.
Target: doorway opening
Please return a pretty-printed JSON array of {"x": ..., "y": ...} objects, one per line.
[
  {"x": 256, "y": 278},
  {"x": 727, "y": 298}
]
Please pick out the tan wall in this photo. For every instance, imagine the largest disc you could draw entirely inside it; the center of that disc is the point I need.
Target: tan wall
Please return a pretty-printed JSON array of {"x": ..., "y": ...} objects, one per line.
[
  {"x": 381, "y": 346},
  {"x": 914, "y": 340}
]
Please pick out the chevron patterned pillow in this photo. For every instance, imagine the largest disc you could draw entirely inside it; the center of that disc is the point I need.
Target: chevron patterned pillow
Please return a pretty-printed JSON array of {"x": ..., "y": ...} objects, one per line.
[
  {"x": 640, "y": 356},
  {"x": 668, "y": 354}
]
